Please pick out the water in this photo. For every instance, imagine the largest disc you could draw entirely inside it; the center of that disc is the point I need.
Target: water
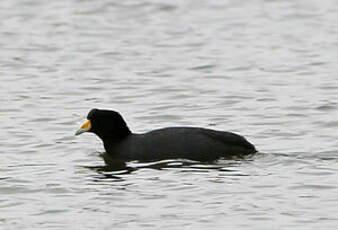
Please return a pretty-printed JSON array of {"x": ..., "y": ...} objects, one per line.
[{"x": 264, "y": 69}]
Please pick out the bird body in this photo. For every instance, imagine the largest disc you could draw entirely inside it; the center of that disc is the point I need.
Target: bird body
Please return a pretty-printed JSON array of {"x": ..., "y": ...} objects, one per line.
[{"x": 167, "y": 143}]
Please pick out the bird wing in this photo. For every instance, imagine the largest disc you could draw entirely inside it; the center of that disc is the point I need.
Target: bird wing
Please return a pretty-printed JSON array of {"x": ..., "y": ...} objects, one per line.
[{"x": 227, "y": 137}]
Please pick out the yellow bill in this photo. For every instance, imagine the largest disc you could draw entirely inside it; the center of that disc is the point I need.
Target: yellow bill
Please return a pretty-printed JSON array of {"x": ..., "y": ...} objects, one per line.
[{"x": 84, "y": 128}]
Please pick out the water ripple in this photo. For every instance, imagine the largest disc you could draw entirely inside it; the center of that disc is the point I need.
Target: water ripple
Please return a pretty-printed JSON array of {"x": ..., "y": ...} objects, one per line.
[{"x": 264, "y": 69}]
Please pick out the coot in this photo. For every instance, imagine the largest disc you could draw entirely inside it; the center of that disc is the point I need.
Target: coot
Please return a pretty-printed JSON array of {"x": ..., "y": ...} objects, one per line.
[{"x": 167, "y": 143}]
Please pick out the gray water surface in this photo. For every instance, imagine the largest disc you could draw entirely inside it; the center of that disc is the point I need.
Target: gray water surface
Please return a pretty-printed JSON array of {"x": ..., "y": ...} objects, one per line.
[{"x": 264, "y": 69}]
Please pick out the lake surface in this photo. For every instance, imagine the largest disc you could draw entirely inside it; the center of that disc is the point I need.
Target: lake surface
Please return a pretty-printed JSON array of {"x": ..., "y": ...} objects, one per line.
[{"x": 264, "y": 69}]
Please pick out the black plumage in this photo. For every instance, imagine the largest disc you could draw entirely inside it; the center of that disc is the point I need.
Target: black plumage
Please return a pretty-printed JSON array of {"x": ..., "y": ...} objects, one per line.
[{"x": 168, "y": 143}]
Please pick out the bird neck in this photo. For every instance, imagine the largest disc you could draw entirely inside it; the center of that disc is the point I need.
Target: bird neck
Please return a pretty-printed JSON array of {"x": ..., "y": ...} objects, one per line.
[{"x": 115, "y": 137}]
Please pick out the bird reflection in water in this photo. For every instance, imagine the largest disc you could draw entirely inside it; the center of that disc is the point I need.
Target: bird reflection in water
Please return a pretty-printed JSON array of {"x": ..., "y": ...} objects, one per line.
[{"x": 114, "y": 169}]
